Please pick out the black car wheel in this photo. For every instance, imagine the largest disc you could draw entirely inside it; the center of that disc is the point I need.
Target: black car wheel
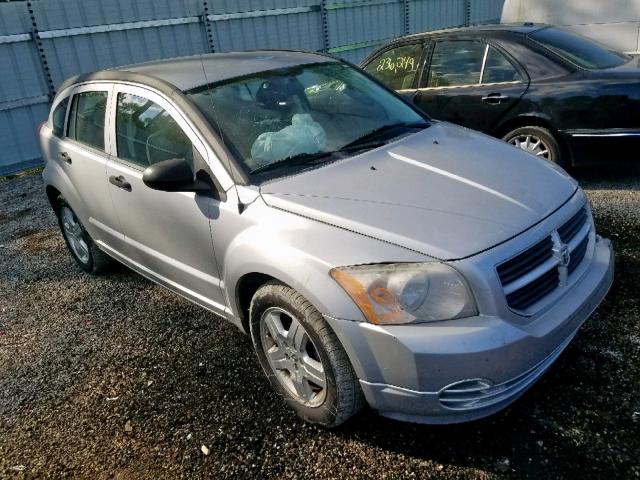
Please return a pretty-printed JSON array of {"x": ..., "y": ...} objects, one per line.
[
  {"x": 302, "y": 357},
  {"x": 536, "y": 140}
]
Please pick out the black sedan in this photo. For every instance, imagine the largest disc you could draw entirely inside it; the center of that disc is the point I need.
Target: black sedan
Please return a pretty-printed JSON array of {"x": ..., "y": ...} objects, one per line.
[{"x": 560, "y": 96}]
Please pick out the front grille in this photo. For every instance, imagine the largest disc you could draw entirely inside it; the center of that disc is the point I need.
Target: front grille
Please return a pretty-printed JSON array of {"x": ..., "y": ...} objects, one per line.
[
  {"x": 569, "y": 229},
  {"x": 578, "y": 254},
  {"x": 533, "y": 274},
  {"x": 529, "y": 294}
]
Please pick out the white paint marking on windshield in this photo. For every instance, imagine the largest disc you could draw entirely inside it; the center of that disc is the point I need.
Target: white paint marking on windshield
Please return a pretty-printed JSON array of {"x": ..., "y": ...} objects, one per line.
[{"x": 459, "y": 179}]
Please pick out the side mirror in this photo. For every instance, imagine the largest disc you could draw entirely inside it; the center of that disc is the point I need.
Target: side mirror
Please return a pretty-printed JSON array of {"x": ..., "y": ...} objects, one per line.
[{"x": 174, "y": 175}]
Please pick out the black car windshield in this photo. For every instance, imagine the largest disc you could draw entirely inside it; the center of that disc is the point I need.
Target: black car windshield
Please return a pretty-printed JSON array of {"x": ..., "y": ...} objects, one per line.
[
  {"x": 579, "y": 50},
  {"x": 301, "y": 115}
]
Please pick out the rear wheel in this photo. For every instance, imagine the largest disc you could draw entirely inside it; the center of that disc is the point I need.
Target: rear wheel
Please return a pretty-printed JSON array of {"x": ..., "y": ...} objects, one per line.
[
  {"x": 83, "y": 250},
  {"x": 302, "y": 356},
  {"x": 538, "y": 141}
]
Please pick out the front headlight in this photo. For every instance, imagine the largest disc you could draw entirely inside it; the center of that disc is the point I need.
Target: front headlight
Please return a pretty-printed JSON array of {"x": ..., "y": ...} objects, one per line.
[{"x": 407, "y": 292}]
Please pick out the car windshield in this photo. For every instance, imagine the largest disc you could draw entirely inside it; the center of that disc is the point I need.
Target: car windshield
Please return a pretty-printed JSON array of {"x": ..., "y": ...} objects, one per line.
[
  {"x": 579, "y": 50},
  {"x": 308, "y": 114}
]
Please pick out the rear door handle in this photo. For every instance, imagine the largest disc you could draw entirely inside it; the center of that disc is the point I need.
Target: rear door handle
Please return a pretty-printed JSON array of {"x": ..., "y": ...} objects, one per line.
[
  {"x": 120, "y": 182},
  {"x": 495, "y": 98},
  {"x": 64, "y": 156}
]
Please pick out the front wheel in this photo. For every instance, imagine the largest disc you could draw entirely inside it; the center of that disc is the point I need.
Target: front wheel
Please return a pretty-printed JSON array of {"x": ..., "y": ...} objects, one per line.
[
  {"x": 302, "y": 356},
  {"x": 538, "y": 141}
]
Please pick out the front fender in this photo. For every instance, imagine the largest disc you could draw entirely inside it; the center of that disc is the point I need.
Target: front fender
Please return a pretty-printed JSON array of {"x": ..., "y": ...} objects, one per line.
[{"x": 300, "y": 252}]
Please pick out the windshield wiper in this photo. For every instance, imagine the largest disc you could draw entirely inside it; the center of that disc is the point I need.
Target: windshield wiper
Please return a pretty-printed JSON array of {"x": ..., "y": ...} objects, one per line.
[
  {"x": 367, "y": 141},
  {"x": 299, "y": 159},
  {"x": 382, "y": 131}
]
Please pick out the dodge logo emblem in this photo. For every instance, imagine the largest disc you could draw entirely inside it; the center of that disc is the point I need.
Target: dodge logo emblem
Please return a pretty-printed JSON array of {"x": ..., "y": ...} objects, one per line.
[{"x": 564, "y": 255}]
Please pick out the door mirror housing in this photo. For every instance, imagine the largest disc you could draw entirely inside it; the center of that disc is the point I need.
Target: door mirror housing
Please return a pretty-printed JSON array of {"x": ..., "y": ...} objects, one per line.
[{"x": 176, "y": 175}]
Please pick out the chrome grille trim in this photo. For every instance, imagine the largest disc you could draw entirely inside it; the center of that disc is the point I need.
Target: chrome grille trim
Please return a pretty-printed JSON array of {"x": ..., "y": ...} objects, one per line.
[{"x": 531, "y": 275}]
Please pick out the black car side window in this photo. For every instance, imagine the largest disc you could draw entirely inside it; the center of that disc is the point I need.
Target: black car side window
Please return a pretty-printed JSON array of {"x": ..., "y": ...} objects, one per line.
[
  {"x": 86, "y": 118},
  {"x": 455, "y": 63},
  {"x": 59, "y": 114},
  {"x": 147, "y": 134},
  {"x": 497, "y": 68},
  {"x": 396, "y": 68}
]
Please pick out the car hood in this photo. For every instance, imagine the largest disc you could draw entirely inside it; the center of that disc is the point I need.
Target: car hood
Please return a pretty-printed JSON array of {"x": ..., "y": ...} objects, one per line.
[{"x": 445, "y": 191}]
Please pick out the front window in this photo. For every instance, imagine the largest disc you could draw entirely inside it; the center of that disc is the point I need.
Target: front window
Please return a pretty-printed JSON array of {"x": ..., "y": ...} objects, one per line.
[
  {"x": 147, "y": 134},
  {"x": 309, "y": 114},
  {"x": 579, "y": 50}
]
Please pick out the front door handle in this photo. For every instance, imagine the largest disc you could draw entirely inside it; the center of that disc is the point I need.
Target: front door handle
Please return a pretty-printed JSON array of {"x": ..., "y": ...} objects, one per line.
[
  {"x": 495, "y": 98},
  {"x": 120, "y": 182},
  {"x": 64, "y": 156}
]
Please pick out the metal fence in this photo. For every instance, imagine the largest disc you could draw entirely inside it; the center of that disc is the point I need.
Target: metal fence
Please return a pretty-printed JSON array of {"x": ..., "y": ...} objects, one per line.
[{"x": 42, "y": 42}]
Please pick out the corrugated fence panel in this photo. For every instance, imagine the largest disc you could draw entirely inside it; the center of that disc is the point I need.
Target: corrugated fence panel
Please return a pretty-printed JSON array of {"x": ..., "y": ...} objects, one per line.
[
  {"x": 76, "y": 36},
  {"x": 23, "y": 90},
  {"x": 301, "y": 31},
  {"x": 427, "y": 15},
  {"x": 69, "y": 55},
  {"x": 18, "y": 145},
  {"x": 486, "y": 11},
  {"x": 235, "y": 6}
]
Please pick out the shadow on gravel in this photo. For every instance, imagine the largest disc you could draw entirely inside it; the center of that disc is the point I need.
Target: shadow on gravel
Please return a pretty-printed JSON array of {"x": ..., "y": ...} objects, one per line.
[{"x": 608, "y": 177}]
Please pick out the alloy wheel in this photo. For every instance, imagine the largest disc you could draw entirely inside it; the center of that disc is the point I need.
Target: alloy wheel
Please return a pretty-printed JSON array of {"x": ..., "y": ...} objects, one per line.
[
  {"x": 74, "y": 233},
  {"x": 293, "y": 356},
  {"x": 532, "y": 144}
]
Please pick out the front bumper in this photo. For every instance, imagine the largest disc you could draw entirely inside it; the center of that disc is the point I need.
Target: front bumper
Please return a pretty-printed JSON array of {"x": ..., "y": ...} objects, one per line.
[{"x": 461, "y": 370}]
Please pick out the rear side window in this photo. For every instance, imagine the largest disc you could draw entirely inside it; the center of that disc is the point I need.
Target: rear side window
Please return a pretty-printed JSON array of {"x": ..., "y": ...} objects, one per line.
[
  {"x": 147, "y": 134},
  {"x": 498, "y": 69},
  {"x": 58, "y": 117},
  {"x": 456, "y": 63},
  {"x": 396, "y": 68},
  {"x": 86, "y": 118}
]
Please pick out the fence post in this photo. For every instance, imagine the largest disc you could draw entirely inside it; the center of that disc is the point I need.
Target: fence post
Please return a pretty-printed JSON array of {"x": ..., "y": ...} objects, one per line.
[
  {"x": 325, "y": 26},
  {"x": 407, "y": 17},
  {"x": 467, "y": 12},
  {"x": 35, "y": 36},
  {"x": 208, "y": 27}
]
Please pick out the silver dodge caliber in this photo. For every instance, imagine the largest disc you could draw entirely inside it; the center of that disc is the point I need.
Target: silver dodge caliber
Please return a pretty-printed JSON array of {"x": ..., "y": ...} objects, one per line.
[{"x": 372, "y": 254}]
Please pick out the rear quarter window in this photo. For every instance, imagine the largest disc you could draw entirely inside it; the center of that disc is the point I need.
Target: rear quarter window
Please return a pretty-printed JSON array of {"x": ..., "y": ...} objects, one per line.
[{"x": 58, "y": 117}]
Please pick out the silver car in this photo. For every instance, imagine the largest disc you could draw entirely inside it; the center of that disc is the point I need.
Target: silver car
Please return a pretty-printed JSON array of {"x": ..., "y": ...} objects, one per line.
[{"x": 372, "y": 254}]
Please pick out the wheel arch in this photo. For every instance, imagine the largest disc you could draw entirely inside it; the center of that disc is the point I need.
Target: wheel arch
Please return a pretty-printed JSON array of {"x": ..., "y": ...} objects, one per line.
[
  {"x": 245, "y": 289},
  {"x": 52, "y": 194},
  {"x": 534, "y": 120}
]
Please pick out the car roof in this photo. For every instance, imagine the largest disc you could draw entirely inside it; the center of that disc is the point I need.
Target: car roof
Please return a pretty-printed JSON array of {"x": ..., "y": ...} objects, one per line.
[
  {"x": 523, "y": 28},
  {"x": 187, "y": 72}
]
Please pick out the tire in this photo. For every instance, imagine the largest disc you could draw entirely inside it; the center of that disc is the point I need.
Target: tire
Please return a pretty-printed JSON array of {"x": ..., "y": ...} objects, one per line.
[
  {"x": 276, "y": 313},
  {"x": 547, "y": 143},
  {"x": 82, "y": 248}
]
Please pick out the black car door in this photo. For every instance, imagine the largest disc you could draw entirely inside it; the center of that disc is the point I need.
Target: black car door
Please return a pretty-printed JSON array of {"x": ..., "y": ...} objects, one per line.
[
  {"x": 469, "y": 82},
  {"x": 397, "y": 67}
]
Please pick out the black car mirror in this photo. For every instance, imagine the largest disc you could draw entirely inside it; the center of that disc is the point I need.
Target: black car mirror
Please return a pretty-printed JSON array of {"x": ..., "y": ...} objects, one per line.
[{"x": 176, "y": 175}]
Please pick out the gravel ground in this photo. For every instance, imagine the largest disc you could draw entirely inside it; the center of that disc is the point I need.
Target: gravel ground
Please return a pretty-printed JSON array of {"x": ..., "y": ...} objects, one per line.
[{"x": 114, "y": 376}]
